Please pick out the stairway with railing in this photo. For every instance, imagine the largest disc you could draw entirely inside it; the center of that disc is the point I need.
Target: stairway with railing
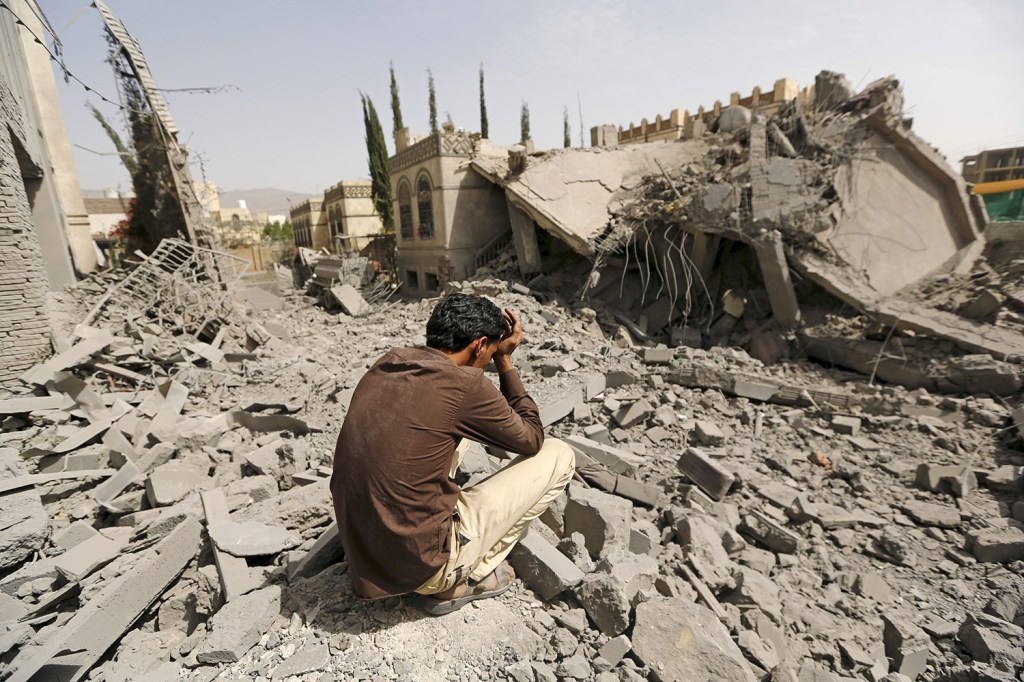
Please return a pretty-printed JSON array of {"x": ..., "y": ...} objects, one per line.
[{"x": 489, "y": 251}]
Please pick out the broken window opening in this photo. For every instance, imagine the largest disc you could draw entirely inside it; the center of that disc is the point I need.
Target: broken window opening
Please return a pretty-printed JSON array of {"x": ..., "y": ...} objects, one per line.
[
  {"x": 425, "y": 205},
  {"x": 412, "y": 279},
  {"x": 405, "y": 210}
]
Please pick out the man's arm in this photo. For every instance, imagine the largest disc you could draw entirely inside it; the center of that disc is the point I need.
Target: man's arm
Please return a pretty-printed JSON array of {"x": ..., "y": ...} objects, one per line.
[{"x": 509, "y": 419}]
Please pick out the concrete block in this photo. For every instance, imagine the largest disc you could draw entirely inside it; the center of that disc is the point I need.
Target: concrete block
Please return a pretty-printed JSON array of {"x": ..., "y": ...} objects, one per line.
[
  {"x": 1008, "y": 478},
  {"x": 849, "y": 426},
  {"x": 955, "y": 479},
  {"x": 606, "y": 602},
  {"x": 682, "y": 640},
  {"x": 238, "y": 626},
  {"x": 706, "y": 473},
  {"x": 350, "y": 300},
  {"x": 998, "y": 545},
  {"x": 702, "y": 546},
  {"x": 171, "y": 482},
  {"x": 86, "y": 557},
  {"x": 617, "y": 460},
  {"x": 602, "y": 519},
  {"x": 561, "y": 408},
  {"x": 756, "y": 589},
  {"x": 708, "y": 433},
  {"x": 542, "y": 567},
  {"x": 633, "y": 414},
  {"x": 986, "y": 638},
  {"x": 614, "y": 649},
  {"x": 906, "y": 644},
  {"x": 658, "y": 356}
]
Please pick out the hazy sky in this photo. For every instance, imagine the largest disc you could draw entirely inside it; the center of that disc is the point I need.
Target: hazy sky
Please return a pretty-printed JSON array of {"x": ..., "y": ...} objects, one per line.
[{"x": 295, "y": 121}]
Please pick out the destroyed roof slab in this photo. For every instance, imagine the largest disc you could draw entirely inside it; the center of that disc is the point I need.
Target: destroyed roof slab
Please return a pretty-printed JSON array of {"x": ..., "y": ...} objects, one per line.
[{"x": 568, "y": 191}]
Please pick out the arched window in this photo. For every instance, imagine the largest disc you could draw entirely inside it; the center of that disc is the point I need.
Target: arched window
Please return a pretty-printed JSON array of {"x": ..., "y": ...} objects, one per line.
[
  {"x": 405, "y": 210},
  {"x": 425, "y": 204}
]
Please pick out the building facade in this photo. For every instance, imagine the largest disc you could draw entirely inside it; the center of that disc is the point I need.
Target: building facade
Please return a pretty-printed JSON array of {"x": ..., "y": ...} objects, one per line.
[
  {"x": 310, "y": 226},
  {"x": 236, "y": 226},
  {"x": 105, "y": 214},
  {"x": 994, "y": 165},
  {"x": 446, "y": 213},
  {"x": 351, "y": 218}
]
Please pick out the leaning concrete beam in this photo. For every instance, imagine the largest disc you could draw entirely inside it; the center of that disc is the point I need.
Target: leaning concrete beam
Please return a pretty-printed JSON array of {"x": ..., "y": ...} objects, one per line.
[
  {"x": 234, "y": 571},
  {"x": 70, "y": 653},
  {"x": 324, "y": 552},
  {"x": 777, "y": 282}
]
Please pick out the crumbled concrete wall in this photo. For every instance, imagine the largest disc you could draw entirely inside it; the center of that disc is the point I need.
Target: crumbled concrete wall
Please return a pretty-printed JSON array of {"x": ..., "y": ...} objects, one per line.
[{"x": 24, "y": 324}]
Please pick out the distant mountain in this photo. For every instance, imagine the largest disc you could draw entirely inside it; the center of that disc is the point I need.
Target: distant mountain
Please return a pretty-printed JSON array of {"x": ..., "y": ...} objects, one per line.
[{"x": 264, "y": 199}]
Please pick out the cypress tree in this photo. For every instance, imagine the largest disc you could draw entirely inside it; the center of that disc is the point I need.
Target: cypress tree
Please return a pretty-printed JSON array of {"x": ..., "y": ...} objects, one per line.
[
  {"x": 483, "y": 106},
  {"x": 566, "y": 139},
  {"x": 396, "y": 105},
  {"x": 432, "y": 101},
  {"x": 524, "y": 122},
  {"x": 377, "y": 159}
]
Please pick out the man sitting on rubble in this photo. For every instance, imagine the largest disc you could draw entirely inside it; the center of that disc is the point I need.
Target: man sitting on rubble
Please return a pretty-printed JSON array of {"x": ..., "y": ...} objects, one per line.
[{"x": 405, "y": 525}]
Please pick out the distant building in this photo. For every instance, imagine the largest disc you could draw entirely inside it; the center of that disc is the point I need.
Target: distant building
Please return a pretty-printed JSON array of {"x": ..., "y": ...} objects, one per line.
[
  {"x": 236, "y": 226},
  {"x": 998, "y": 177},
  {"x": 105, "y": 213},
  {"x": 309, "y": 225},
  {"x": 447, "y": 214},
  {"x": 351, "y": 217}
]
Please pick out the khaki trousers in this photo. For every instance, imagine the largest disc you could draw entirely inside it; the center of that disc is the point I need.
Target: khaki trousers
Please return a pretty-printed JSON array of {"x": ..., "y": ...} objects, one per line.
[{"x": 492, "y": 515}]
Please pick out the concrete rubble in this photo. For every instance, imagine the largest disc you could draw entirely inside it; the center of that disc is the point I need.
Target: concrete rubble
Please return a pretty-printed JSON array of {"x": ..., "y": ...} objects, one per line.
[{"x": 744, "y": 510}]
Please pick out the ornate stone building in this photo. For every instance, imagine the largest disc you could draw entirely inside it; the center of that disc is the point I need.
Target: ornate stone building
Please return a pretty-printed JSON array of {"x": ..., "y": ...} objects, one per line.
[
  {"x": 446, "y": 214},
  {"x": 309, "y": 225},
  {"x": 350, "y": 215}
]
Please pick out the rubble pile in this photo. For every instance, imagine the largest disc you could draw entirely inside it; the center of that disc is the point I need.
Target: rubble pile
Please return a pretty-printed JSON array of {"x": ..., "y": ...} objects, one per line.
[{"x": 167, "y": 515}]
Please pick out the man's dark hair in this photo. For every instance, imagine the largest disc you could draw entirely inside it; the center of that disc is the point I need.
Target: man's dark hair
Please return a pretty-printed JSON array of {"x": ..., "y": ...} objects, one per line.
[{"x": 459, "y": 319}]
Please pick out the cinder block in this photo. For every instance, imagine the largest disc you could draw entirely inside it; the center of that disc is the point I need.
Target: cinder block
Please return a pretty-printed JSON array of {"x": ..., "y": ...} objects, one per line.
[{"x": 547, "y": 571}]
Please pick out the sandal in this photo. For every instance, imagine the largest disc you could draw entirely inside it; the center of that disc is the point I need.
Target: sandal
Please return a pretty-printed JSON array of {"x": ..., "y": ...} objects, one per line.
[{"x": 440, "y": 607}]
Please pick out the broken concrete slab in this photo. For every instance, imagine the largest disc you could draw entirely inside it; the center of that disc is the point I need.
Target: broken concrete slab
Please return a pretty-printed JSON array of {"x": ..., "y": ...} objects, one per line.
[
  {"x": 325, "y": 551},
  {"x": 171, "y": 482},
  {"x": 235, "y": 579},
  {"x": 633, "y": 414},
  {"x": 81, "y": 351},
  {"x": 543, "y": 568},
  {"x": 680, "y": 640},
  {"x": 312, "y": 657},
  {"x": 769, "y": 533},
  {"x": 551, "y": 413},
  {"x": 350, "y": 300},
  {"x": 26, "y": 404},
  {"x": 87, "y": 556},
  {"x": 251, "y": 538},
  {"x": 905, "y": 644},
  {"x": 258, "y": 423},
  {"x": 101, "y": 622},
  {"x": 238, "y": 626},
  {"x": 928, "y": 514},
  {"x": 617, "y": 460},
  {"x": 75, "y": 534}
]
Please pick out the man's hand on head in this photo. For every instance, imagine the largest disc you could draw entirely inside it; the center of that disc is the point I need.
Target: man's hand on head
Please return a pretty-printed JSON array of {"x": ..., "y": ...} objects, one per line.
[{"x": 508, "y": 344}]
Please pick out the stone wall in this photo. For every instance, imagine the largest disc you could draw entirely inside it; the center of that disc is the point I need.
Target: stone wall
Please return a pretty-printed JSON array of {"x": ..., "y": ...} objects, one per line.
[{"x": 24, "y": 323}]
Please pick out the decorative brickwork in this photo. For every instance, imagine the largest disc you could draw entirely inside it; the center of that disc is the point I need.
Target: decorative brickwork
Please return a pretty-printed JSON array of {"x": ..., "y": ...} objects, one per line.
[{"x": 24, "y": 323}]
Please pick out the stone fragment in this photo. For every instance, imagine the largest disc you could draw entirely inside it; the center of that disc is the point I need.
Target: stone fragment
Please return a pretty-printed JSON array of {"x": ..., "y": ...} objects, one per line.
[
  {"x": 706, "y": 473},
  {"x": 1007, "y": 478},
  {"x": 733, "y": 118},
  {"x": 310, "y": 658},
  {"x": 251, "y": 538},
  {"x": 928, "y": 514},
  {"x": 993, "y": 640},
  {"x": 770, "y": 534},
  {"x": 680, "y": 640},
  {"x": 542, "y": 567},
  {"x": 849, "y": 426},
  {"x": 325, "y": 551},
  {"x": 702, "y": 546},
  {"x": 609, "y": 594},
  {"x": 617, "y": 460},
  {"x": 575, "y": 667},
  {"x": 170, "y": 482},
  {"x": 86, "y": 557},
  {"x": 755, "y": 589},
  {"x": 998, "y": 545},
  {"x": 614, "y": 649},
  {"x": 906, "y": 644},
  {"x": 708, "y": 433},
  {"x": 350, "y": 300},
  {"x": 658, "y": 356},
  {"x": 955, "y": 479},
  {"x": 871, "y": 585},
  {"x": 633, "y": 414},
  {"x": 602, "y": 519},
  {"x": 238, "y": 626}
]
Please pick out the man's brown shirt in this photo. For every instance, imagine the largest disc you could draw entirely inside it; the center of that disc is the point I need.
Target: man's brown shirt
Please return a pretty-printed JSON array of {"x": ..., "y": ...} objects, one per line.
[{"x": 392, "y": 494}]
